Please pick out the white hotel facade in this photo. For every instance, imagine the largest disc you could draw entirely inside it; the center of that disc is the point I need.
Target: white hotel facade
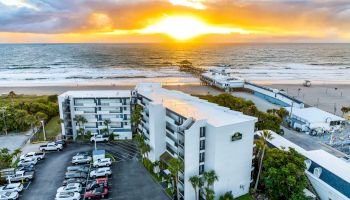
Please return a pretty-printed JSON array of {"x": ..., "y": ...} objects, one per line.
[
  {"x": 96, "y": 107},
  {"x": 203, "y": 135}
]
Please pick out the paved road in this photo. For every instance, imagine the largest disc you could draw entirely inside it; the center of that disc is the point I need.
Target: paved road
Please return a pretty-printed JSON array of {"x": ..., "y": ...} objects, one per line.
[{"x": 130, "y": 180}]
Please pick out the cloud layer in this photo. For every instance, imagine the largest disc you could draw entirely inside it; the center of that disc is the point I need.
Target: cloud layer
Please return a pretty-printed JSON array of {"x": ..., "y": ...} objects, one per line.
[{"x": 321, "y": 20}]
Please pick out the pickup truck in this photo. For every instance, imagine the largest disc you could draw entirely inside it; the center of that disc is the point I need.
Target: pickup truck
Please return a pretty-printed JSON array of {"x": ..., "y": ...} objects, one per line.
[
  {"x": 52, "y": 146},
  {"x": 99, "y": 138},
  {"x": 21, "y": 176},
  {"x": 37, "y": 155}
]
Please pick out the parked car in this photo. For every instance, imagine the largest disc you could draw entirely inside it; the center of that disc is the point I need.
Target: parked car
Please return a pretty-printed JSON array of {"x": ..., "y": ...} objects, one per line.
[
  {"x": 104, "y": 162},
  {"x": 82, "y": 181},
  {"x": 9, "y": 195},
  {"x": 99, "y": 172},
  {"x": 62, "y": 142},
  {"x": 99, "y": 182},
  {"x": 37, "y": 155},
  {"x": 27, "y": 161},
  {"x": 71, "y": 187},
  {"x": 27, "y": 168},
  {"x": 67, "y": 196},
  {"x": 81, "y": 159},
  {"x": 97, "y": 193},
  {"x": 99, "y": 138},
  {"x": 7, "y": 172},
  {"x": 21, "y": 176},
  {"x": 12, "y": 187},
  {"x": 52, "y": 146},
  {"x": 78, "y": 168},
  {"x": 75, "y": 175}
]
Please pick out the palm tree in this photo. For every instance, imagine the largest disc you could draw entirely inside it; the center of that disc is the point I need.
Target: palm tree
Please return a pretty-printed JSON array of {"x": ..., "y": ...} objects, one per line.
[
  {"x": 107, "y": 122},
  {"x": 81, "y": 121},
  {"x": 262, "y": 145},
  {"x": 196, "y": 183},
  {"x": 209, "y": 194},
  {"x": 210, "y": 177},
  {"x": 12, "y": 95},
  {"x": 175, "y": 165},
  {"x": 16, "y": 152},
  {"x": 345, "y": 110}
]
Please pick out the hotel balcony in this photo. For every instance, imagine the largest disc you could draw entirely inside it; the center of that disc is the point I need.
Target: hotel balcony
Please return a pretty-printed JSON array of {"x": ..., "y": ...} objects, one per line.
[
  {"x": 103, "y": 112},
  {"x": 79, "y": 112}
]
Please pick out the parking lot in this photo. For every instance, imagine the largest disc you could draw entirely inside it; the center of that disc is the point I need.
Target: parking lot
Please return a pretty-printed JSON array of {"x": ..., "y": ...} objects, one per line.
[{"x": 130, "y": 180}]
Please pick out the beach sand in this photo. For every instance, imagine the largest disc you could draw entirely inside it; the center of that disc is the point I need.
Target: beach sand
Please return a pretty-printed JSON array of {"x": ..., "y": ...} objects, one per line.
[{"x": 324, "y": 96}]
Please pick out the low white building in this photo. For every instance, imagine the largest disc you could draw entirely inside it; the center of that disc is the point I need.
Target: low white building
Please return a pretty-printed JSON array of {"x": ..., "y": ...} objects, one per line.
[
  {"x": 96, "y": 107},
  {"x": 222, "y": 81},
  {"x": 328, "y": 174},
  {"x": 204, "y": 136},
  {"x": 307, "y": 119}
]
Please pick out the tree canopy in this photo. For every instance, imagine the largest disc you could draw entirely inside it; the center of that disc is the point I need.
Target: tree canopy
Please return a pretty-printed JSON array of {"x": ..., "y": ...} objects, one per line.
[
  {"x": 283, "y": 174},
  {"x": 266, "y": 121}
]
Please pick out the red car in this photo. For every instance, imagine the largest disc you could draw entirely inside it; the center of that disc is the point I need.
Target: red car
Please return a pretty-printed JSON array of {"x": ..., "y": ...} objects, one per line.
[{"x": 97, "y": 193}]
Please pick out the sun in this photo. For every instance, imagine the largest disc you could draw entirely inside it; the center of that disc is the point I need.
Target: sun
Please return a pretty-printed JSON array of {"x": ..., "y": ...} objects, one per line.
[{"x": 186, "y": 27}]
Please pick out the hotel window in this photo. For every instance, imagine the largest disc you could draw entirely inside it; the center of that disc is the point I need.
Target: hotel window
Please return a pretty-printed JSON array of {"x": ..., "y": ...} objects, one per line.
[
  {"x": 201, "y": 157},
  {"x": 201, "y": 169},
  {"x": 202, "y": 145},
  {"x": 202, "y": 131}
]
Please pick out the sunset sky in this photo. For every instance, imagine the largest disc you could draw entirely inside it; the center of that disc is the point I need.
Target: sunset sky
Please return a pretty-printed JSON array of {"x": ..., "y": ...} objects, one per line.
[{"x": 41, "y": 21}]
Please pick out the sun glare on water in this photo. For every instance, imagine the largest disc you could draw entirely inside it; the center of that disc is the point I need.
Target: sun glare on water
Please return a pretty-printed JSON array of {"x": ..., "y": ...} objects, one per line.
[{"x": 184, "y": 28}]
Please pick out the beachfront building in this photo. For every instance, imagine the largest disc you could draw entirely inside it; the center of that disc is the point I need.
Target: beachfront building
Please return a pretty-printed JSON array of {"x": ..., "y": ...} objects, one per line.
[
  {"x": 313, "y": 119},
  {"x": 222, "y": 78},
  {"x": 203, "y": 135},
  {"x": 96, "y": 107},
  {"x": 328, "y": 174},
  {"x": 222, "y": 81}
]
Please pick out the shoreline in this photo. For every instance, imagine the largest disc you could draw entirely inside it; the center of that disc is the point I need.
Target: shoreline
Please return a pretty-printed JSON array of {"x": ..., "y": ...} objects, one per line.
[{"x": 329, "y": 97}]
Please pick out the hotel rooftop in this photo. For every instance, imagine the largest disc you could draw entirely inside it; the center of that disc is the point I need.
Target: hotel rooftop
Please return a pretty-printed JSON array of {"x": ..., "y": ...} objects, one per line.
[
  {"x": 189, "y": 106},
  {"x": 98, "y": 93}
]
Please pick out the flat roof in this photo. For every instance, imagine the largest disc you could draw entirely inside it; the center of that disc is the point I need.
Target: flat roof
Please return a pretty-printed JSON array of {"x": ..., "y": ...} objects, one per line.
[
  {"x": 190, "y": 106},
  {"x": 97, "y": 93},
  {"x": 314, "y": 115},
  {"x": 222, "y": 77},
  {"x": 328, "y": 161}
]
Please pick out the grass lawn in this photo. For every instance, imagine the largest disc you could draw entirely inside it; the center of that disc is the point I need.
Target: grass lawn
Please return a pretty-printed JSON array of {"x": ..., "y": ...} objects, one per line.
[
  {"x": 245, "y": 197},
  {"x": 53, "y": 128},
  {"x": 21, "y": 98}
]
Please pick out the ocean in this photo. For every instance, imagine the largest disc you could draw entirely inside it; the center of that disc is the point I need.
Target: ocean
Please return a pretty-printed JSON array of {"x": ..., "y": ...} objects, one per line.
[{"x": 71, "y": 64}]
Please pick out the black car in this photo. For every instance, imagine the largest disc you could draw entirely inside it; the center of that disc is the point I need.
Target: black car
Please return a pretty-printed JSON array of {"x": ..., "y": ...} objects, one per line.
[
  {"x": 95, "y": 184},
  {"x": 63, "y": 142},
  {"x": 75, "y": 175},
  {"x": 28, "y": 168},
  {"x": 78, "y": 168},
  {"x": 74, "y": 180}
]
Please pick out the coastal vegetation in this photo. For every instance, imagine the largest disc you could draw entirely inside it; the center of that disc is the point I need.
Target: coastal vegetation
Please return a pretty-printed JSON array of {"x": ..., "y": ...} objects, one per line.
[
  {"x": 6, "y": 160},
  {"x": 21, "y": 112},
  {"x": 279, "y": 173},
  {"x": 270, "y": 120}
]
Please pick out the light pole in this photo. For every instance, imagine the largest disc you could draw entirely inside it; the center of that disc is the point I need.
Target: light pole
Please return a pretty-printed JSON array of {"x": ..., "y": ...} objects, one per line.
[{"x": 42, "y": 122}]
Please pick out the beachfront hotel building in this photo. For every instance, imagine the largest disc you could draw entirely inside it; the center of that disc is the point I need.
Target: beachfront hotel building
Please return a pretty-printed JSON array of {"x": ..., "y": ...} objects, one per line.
[
  {"x": 96, "y": 107},
  {"x": 204, "y": 136}
]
